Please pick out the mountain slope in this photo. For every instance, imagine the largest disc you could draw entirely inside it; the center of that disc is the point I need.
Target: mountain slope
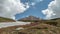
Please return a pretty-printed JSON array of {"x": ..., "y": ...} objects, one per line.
[
  {"x": 41, "y": 29},
  {"x": 30, "y": 18},
  {"x": 55, "y": 21},
  {"x": 2, "y": 19}
]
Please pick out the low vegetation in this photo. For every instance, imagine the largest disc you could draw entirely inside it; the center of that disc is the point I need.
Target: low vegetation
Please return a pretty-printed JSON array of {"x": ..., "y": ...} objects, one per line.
[
  {"x": 42, "y": 27},
  {"x": 2, "y": 19},
  {"x": 36, "y": 27}
]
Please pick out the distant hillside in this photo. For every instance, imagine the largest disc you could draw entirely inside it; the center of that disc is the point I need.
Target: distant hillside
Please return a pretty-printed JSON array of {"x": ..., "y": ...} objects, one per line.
[
  {"x": 55, "y": 21},
  {"x": 2, "y": 19},
  {"x": 30, "y": 18}
]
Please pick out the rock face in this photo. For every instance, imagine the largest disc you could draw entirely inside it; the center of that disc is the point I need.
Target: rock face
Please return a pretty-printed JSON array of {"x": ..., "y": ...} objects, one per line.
[
  {"x": 29, "y": 18},
  {"x": 2, "y": 19}
]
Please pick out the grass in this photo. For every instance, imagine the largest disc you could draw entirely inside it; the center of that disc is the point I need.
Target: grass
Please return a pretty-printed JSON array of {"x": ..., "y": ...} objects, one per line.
[
  {"x": 42, "y": 29},
  {"x": 6, "y": 20}
]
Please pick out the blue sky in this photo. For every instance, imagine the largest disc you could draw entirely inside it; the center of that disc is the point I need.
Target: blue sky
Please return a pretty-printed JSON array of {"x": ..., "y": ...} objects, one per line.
[
  {"x": 34, "y": 10},
  {"x": 17, "y": 9}
]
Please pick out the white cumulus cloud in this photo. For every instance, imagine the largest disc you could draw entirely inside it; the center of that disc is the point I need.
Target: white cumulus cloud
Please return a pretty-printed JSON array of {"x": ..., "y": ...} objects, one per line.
[
  {"x": 9, "y": 8},
  {"x": 38, "y": 0},
  {"x": 35, "y": 2},
  {"x": 53, "y": 10}
]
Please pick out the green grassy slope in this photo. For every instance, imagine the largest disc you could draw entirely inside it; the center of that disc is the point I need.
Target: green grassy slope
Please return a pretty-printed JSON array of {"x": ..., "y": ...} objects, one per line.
[{"x": 2, "y": 19}]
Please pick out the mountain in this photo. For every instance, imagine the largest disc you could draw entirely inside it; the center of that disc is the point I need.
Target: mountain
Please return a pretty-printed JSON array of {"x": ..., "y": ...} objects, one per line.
[
  {"x": 30, "y": 18},
  {"x": 51, "y": 26},
  {"x": 55, "y": 21},
  {"x": 2, "y": 19}
]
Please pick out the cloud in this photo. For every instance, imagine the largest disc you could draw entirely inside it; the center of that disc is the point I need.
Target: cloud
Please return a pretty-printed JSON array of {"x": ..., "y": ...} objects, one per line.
[
  {"x": 41, "y": 0},
  {"x": 34, "y": 2},
  {"x": 53, "y": 10},
  {"x": 38, "y": 0},
  {"x": 9, "y": 8}
]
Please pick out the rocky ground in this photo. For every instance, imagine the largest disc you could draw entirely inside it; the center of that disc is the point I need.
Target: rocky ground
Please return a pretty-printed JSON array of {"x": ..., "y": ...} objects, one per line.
[{"x": 41, "y": 29}]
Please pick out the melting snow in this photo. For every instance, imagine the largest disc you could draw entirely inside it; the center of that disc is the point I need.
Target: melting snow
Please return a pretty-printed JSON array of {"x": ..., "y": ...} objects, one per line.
[{"x": 9, "y": 24}]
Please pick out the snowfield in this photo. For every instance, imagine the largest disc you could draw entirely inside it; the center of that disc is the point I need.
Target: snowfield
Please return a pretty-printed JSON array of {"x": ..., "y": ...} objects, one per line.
[{"x": 9, "y": 24}]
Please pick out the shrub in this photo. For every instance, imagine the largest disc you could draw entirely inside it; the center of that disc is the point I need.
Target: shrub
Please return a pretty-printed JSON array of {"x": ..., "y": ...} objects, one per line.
[{"x": 52, "y": 23}]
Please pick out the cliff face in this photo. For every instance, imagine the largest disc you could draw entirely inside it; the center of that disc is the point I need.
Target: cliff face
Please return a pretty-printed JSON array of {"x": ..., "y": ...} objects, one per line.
[{"x": 2, "y": 19}]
